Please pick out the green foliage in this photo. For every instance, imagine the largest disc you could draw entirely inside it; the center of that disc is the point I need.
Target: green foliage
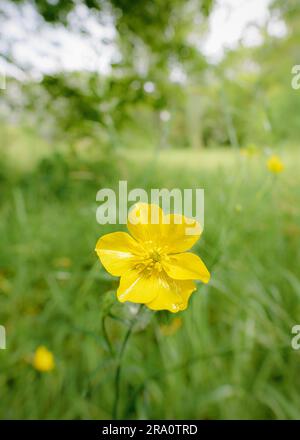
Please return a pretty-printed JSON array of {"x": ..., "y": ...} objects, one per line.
[
  {"x": 161, "y": 26},
  {"x": 245, "y": 98}
]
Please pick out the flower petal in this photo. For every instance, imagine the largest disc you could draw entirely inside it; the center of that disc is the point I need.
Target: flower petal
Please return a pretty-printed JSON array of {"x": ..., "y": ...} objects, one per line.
[
  {"x": 118, "y": 252},
  {"x": 174, "y": 233},
  {"x": 157, "y": 290},
  {"x": 186, "y": 266},
  {"x": 187, "y": 288},
  {"x": 180, "y": 233},
  {"x": 145, "y": 223},
  {"x": 174, "y": 297},
  {"x": 138, "y": 286}
]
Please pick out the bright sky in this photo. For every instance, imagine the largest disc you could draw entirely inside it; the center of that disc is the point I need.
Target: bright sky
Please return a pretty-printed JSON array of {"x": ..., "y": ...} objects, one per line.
[{"x": 231, "y": 21}]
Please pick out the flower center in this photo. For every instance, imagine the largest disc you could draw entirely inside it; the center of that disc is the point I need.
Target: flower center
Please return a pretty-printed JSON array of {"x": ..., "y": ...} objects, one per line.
[
  {"x": 153, "y": 261},
  {"x": 155, "y": 256}
]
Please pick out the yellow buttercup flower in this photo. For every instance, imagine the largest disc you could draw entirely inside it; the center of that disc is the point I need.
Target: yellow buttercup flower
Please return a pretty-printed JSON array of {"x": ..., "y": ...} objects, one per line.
[
  {"x": 153, "y": 264},
  {"x": 275, "y": 165},
  {"x": 43, "y": 359}
]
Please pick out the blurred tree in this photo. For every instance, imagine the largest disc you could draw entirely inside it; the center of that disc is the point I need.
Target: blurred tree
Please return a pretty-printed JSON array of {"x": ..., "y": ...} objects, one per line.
[
  {"x": 158, "y": 28},
  {"x": 246, "y": 98},
  {"x": 153, "y": 41}
]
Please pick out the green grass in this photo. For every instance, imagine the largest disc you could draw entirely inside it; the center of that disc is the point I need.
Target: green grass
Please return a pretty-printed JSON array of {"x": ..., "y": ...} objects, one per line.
[{"x": 231, "y": 357}]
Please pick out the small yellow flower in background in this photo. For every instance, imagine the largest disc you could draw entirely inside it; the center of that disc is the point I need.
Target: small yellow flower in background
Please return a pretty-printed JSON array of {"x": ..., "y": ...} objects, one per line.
[
  {"x": 153, "y": 264},
  {"x": 5, "y": 284},
  {"x": 275, "y": 165},
  {"x": 171, "y": 329},
  {"x": 63, "y": 262},
  {"x": 43, "y": 359},
  {"x": 250, "y": 150},
  {"x": 238, "y": 208}
]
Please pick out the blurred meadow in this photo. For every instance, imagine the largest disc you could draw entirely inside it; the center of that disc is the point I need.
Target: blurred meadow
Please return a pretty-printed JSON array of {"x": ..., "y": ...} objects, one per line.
[{"x": 162, "y": 114}]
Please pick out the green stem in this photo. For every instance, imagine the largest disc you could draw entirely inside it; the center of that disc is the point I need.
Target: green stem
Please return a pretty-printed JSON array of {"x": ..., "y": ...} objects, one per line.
[
  {"x": 119, "y": 367},
  {"x": 106, "y": 337}
]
